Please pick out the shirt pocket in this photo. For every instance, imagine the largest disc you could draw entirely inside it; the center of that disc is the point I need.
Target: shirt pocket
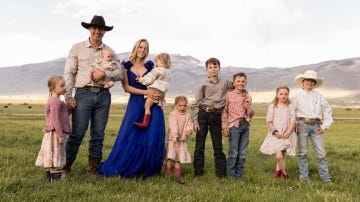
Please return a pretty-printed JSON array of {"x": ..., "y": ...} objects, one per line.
[{"x": 83, "y": 61}]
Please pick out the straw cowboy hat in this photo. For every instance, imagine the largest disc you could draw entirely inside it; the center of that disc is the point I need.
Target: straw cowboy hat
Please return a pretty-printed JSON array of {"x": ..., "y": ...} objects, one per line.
[
  {"x": 97, "y": 21},
  {"x": 309, "y": 74}
]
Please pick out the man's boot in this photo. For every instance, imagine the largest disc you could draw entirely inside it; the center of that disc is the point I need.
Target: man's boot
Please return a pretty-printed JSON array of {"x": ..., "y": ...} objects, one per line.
[
  {"x": 65, "y": 175},
  {"x": 93, "y": 165}
]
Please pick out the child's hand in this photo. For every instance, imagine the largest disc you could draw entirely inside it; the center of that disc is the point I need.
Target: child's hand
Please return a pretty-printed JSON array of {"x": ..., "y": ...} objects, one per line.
[
  {"x": 173, "y": 138},
  {"x": 188, "y": 131},
  {"x": 225, "y": 132},
  {"x": 196, "y": 128},
  {"x": 61, "y": 140},
  {"x": 277, "y": 135},
  {"x": 247, "y": 103},
  {"x": 183, "y": 138}
]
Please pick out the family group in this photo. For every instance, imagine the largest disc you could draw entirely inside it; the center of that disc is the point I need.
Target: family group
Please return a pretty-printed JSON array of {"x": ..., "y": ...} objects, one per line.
[{"x": 221, "y": 107}]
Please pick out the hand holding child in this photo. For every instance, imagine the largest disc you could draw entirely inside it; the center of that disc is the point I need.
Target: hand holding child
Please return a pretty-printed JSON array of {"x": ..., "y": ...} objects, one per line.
[{"x": 97, "y": 74}]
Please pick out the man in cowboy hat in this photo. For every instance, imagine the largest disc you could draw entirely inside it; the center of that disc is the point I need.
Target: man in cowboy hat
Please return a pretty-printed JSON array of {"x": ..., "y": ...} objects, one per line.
[
  {"x": 92, "y": 101},
  {"x": 310, "y": 106}
]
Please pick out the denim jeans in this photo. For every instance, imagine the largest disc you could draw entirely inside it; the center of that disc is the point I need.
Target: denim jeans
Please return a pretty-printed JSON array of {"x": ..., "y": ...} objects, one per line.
[
  {"x": 238, "y": 145},
  {"x": 310, "y": 131},
  {"x": 209, "y": 121},
  {"x": 93, "y": 107}
]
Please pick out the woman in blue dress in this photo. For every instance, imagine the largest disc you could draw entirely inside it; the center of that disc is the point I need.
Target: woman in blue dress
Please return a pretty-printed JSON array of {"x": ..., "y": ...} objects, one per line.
[{"x": 137, "y": 152}]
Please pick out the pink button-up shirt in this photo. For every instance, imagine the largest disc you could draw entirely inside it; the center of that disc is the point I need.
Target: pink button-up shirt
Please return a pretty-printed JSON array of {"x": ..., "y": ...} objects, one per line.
[{"x": 234, "y": 109}]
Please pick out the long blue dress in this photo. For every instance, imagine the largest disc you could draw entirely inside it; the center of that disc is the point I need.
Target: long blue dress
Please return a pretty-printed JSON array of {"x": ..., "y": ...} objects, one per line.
[{"x": 137, "y": 152}]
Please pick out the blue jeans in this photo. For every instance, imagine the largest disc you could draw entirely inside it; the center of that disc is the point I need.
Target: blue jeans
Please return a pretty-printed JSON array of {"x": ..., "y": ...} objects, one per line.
[
  {"x": 93, "y": 107},
  {"x": 238, "y": 145},
  {"x": 310, "y": 131}
]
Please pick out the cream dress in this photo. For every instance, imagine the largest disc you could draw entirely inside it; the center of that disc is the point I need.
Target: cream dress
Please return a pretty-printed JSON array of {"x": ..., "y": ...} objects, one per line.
[
  {"x": 281, "y": 117},
  {"x": 180, "y": 127},
  {"x": 52, "y": 154}
]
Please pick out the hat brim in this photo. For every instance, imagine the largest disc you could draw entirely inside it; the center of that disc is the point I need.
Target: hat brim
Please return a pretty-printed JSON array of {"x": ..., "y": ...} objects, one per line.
[
  {"x": 88, "y": 25},
  {"x": 299, "y": 79}
]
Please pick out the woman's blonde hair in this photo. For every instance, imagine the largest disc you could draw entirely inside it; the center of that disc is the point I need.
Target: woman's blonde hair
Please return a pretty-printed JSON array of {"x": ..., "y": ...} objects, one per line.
[
  {"x": 132, "y": 56},
  {"x": 180, "y": 98},
  {"x": 53, "y": 81},
  {"x": 164, "y": 58},
  {"x": 276, "y": 100}
]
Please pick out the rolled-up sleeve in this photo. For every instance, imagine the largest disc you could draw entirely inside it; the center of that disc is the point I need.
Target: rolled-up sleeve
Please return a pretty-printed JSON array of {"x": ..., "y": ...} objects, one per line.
[{"x": 70, "y": 70}]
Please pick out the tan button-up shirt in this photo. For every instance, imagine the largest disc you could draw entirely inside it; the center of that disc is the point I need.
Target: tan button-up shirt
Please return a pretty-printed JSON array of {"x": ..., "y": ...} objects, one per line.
[
  {"x": 210, "y": 94},
  {"x": 78, "y": 66}
]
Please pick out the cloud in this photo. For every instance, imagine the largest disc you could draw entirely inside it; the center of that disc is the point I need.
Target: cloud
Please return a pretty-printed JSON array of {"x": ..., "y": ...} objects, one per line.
[{"x": 86, "y": 8}]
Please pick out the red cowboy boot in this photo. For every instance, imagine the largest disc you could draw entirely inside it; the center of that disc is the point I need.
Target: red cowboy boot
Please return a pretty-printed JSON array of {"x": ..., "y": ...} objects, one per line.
[
  {"x": 145, "y": 122},
  {"x": 277, "y": 174},
  {"x": 167, "y": 171},
  {"x": 285, "y": 174},
  {"x": 179, "y": 175}
]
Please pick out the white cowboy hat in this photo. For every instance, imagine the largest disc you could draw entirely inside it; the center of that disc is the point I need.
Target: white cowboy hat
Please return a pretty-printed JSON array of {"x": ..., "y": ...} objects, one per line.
[{"x": 309, "y": 74}]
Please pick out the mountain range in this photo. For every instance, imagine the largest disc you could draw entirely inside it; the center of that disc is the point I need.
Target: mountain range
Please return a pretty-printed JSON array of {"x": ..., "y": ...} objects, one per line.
[{"x": 187, "y": 72}]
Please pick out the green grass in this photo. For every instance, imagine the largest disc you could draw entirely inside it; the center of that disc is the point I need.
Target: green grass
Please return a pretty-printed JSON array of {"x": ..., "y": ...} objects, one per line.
[{"x": 20, "y": 180}]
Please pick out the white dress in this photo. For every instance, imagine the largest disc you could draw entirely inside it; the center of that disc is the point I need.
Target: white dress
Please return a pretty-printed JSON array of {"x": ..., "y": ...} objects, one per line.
[{"x": 281, "y": 118}]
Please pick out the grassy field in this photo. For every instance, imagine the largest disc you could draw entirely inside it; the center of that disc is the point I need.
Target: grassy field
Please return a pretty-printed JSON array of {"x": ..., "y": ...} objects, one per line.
[{"x": 20, "y": 180}]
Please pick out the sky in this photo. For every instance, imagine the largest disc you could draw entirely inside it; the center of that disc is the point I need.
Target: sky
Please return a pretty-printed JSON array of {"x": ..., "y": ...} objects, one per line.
[{"x": 242, "y": 33}]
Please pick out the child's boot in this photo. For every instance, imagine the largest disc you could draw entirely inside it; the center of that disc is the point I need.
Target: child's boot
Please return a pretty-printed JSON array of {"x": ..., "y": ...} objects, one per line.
[
  {"x": 55, "y": 176},
  {"x": 48, "y": 175},
  {"x": 145, "y": 122},
  {"x": 277, "y": 174},
  {"x": 177, "y": 173},
  {"x": 285, "y": 174},
  {"x": 167, "y": 171}
]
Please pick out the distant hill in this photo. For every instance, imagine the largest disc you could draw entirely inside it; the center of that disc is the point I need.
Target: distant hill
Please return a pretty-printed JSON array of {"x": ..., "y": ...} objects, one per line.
[{"x": 188, "y": 72}]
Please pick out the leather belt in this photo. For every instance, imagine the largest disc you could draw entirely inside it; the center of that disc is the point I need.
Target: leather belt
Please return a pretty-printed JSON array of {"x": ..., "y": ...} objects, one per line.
[
  {"x": 309, "y": 121},
  {"x": 93, "y": 89},
  {"x": 210, "y": 109},
  {"x": 243, "y": 121}
]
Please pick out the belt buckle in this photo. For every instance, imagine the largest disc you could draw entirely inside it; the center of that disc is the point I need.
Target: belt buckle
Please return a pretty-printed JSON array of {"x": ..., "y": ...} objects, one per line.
[
  {"x": 94, "y": 89},
  {"x": 309, "y": 121},
  {"x": 209, "y": 109},
  {"x": 242, "y": 121}
]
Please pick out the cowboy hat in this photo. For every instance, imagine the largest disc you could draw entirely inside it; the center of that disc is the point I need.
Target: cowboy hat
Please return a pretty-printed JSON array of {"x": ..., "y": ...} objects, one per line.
[
  {"x": 97, "y": 21},
  {"x": 309, "y": 74}
]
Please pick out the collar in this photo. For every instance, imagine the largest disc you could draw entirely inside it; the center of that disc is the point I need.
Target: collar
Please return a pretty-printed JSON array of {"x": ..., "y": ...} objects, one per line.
[
  {"x": 88, "y": 44},
  {"x": 178, "y": 112},
  {"x": 217, "y": 80}
]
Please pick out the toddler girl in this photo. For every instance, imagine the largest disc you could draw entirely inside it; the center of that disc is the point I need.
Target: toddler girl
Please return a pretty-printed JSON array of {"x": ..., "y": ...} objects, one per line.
[
  {"x": 180, "y": 127},
  {"x": 158, "y": 79},
  {"x": 280, "y": 139},
  {"x": 52, "y": 152}
]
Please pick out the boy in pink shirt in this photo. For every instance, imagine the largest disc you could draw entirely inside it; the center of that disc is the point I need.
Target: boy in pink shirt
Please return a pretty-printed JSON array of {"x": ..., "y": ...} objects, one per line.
[{"x": 235, "y": 118}]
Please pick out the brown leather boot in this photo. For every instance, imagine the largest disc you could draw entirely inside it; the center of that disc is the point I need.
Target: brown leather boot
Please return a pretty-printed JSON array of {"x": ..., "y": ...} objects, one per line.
[
  {"x": 65, "y": 175},
  {"x": 145, "y": 122},
  {"x": 93, "y": 165}
]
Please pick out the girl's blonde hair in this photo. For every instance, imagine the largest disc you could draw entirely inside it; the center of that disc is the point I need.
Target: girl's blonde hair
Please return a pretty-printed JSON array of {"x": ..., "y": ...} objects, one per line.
[
  {"x": 180, "y": 98},
  {"x": 276, "y": 100},
  {"x": 164, "y": 58},
  {"x": 53, "y": 81},
  {"x": 132, "y": 56}
]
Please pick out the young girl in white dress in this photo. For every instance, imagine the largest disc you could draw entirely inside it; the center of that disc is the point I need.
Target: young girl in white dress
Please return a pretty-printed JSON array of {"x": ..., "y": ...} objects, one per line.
[
  {"x": 52, "y": 152},
  {"x": 180, "y": 127},
  {"x": 281, "y": 138}
]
